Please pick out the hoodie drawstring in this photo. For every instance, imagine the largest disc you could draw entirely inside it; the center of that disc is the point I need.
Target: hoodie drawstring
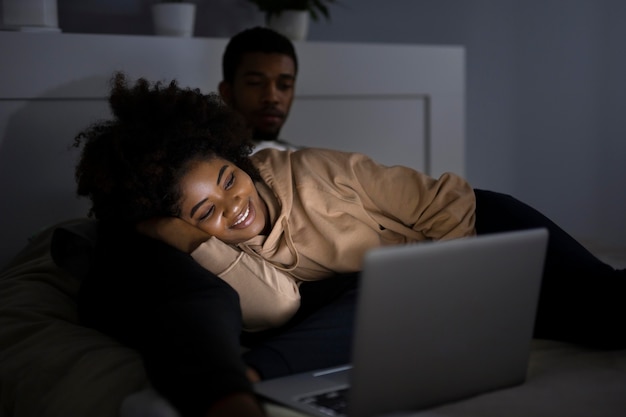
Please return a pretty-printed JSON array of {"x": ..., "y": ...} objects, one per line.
[{"x": 290, "y": 246}]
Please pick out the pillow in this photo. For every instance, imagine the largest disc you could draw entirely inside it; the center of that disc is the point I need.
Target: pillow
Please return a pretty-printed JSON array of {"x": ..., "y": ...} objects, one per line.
[
  {"x": 73, "y": 244},
  {"x": 50, "y": 365}
]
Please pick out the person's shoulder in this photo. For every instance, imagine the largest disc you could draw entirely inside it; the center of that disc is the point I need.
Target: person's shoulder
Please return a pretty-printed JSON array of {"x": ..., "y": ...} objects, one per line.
[
  {"x": 283, "y": 144},
  {"x": 265, "y": 153},
  {"x": 325, "y": 159},
  {"x": 280, "y": 144},
  {"x": 309, "y": 156},
  {"x": 270, "y": 157},
  {"x": 324, "y": 154},
  {"x": 275, "y": 159}
]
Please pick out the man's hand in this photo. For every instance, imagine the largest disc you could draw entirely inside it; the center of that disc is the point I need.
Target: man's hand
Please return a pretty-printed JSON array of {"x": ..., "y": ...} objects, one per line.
[{"x": 175, "y": 232}]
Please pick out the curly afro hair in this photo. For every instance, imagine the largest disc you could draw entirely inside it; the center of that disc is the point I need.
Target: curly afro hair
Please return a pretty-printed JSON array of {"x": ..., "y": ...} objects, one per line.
[{"x": 131, "y": 165}]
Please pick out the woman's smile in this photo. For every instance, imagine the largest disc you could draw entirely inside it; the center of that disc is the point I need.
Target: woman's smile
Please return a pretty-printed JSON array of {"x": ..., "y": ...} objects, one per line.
[
  {"x": 222, "y": 200},
  {"x": 246, "y": 218}
]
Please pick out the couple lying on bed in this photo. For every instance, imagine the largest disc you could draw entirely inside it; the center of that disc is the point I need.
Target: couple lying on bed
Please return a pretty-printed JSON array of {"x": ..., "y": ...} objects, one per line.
[{"x": 203, "y": 248}]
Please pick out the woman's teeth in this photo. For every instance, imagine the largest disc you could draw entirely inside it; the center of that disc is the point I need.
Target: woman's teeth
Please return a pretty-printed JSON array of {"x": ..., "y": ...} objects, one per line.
[{"x": 243, "y": 217}]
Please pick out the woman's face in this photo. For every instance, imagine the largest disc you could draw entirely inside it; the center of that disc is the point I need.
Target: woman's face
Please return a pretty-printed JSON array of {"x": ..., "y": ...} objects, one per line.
[{"x": 221, "y": 199}]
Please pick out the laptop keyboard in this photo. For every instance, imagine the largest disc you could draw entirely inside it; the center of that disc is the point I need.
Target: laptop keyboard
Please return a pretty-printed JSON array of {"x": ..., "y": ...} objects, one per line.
[{"x": 333, "y": 403}]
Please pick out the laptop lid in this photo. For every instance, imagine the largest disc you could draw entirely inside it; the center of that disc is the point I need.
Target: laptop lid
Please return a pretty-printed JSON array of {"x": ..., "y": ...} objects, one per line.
[{"x": 436, "y": 322}]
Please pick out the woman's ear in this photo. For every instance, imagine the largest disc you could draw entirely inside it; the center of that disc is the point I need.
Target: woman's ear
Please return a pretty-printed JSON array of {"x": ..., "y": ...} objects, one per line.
[{"x": 225, "y": 90}]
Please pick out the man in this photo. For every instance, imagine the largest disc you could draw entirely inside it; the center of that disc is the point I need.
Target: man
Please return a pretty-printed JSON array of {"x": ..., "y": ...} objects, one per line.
[{"x": 259, "y": 69}]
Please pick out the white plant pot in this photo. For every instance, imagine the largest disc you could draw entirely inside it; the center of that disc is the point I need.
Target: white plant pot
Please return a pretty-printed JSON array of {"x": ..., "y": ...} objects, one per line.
[
  {"x": 174, "y": 19},
  {"x": 30, "y": 15},
  {"x": 294, "y": 24}
]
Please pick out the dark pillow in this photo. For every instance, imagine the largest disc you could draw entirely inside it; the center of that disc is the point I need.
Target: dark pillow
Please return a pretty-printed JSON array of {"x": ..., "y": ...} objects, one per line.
[{"x": 73, "y": 244}]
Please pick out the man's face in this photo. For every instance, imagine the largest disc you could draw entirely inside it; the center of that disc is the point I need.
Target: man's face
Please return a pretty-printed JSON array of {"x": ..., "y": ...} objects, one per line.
[{"x": 262, "y": 92}]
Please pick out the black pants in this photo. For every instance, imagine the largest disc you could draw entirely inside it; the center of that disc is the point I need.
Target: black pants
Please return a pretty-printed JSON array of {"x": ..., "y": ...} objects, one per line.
[
  {"x": 582, "y": 299},
  {"x": 319, "y": 335}
]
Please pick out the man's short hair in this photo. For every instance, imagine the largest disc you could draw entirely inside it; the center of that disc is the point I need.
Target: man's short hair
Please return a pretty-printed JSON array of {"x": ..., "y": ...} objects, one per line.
[{"x": 256, "y": 39}]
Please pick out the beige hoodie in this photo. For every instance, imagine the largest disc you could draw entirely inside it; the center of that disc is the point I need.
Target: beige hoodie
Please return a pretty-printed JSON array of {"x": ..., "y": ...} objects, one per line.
[{"x": 327, "y": 209}]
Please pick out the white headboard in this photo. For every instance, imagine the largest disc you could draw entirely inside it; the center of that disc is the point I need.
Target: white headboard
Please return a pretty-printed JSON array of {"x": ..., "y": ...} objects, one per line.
[{"x": 401, "y": 104}]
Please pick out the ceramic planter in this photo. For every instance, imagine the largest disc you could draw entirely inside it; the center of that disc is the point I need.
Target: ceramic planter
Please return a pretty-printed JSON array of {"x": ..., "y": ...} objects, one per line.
[
  {"x": 30, "y": 15},
  {"x": 174, "y": 19},
  {"x": 294, "y": 24}
]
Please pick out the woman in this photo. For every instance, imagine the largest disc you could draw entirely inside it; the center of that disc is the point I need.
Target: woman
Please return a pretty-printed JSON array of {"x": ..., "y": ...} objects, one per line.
[{"x": 174, "y": 164}]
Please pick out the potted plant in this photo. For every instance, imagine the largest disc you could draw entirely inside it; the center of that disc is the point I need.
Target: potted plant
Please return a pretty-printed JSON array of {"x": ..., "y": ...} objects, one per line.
[
  {"x": 291, "y": 17},
  {"x": 174, "y": 18}
]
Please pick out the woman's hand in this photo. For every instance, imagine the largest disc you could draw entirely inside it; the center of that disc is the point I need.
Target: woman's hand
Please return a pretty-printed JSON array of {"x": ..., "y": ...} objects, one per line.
[
  {"x": 237, "y": 405},
  {"x": 175, "y": 232},
  {"x": 252, "y": 375}
]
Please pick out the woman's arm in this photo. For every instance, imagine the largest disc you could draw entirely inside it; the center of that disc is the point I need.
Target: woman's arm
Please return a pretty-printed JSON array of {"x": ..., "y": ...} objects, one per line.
[
  {"x": 434, "y": 208},
  {"x": 269, "y": 297},
  {"x": 175, "y": 232}
]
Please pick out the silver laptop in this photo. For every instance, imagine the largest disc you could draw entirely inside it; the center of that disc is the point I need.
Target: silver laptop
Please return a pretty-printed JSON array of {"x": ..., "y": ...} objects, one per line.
[{"x": 436, "y": 322}]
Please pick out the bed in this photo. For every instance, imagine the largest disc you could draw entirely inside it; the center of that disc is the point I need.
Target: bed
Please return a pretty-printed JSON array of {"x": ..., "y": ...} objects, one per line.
[{"x": 51, "y": 85}]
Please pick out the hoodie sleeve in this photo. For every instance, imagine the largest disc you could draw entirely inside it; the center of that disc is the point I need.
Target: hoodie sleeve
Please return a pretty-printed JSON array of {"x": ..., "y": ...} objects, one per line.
[
  {"x": 268, "y": 296},
  {"x": 434, "y": 208}
]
